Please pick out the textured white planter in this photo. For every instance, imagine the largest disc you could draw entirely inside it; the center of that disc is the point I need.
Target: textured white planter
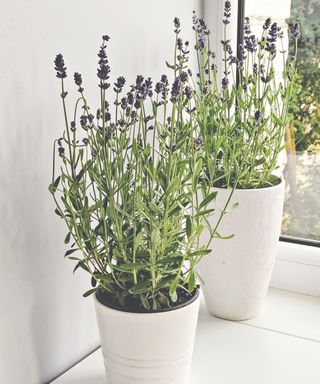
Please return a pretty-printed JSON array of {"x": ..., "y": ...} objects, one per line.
[
  {"x": 147, "y": 347},
  {"x": 237, "y": 273}
]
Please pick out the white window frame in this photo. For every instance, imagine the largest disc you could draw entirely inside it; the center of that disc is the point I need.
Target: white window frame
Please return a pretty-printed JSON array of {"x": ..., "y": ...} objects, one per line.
[{"x": 297, "y": 266}]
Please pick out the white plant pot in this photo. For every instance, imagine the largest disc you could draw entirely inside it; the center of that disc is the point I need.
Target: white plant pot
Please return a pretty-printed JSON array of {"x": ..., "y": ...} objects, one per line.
[
  {"x": 237, "y": 273},
  {"x": 151, "y": 348}
]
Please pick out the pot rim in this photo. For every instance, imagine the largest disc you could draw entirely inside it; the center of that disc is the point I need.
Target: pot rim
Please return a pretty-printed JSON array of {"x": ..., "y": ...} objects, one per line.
[
  {"x": 239, "y": 190},
  {"x": 179, "y": 307}
]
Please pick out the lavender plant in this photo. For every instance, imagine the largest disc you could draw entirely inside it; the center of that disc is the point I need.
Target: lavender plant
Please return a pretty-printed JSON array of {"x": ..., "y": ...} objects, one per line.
[
  {"x": 242, "y": 112},
  {"x": 124, "y": 183}
]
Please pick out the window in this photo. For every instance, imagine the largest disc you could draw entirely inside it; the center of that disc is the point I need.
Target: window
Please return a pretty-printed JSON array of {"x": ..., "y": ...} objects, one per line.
[{"x": 301, "y": 219}]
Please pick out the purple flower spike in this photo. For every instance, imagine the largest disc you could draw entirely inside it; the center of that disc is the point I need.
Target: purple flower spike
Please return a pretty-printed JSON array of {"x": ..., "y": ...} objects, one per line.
[
  {"x": 78, "y": 81},
  {"x": 183, "y": 76},
  {"x": 61, "y": 151},
  {"x": 175, "y": 90},
  {"x": 90, "y": 118},
  {"x": 295, "y": 30},
  {"x": 124, "y": 103},
  {"x": 225, "y": 82},
  {"x": 60, "y": 67},
  {"x": 250, "y": 43},
  {"x": 227, "y": 12},
  {"x": 104, "y": 69},
  {"x": 247, "y": 26},
  {"x": 94, "y": 154},
  {"x": 188, "y": 92},
  {"x": 118, "y": 85},
  {"x": 258, "y": 115},
  {"x": 273, "y": 33},
  {"x": 159, "y": 87},
  {"x": 267, "y": 24},
  {"x": 83, "y": 120},
  {"x": 177, "y": 24}
]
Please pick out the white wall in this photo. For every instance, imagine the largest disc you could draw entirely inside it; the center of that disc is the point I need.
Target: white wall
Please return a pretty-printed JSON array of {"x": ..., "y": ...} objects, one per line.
[{"x": 45, "y": 324}]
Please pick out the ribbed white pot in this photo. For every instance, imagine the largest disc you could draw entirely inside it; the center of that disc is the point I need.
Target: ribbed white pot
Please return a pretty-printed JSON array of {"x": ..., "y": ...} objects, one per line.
[
  {"x": 150, "y": 348},
  {"x": 237, "y": 273}
]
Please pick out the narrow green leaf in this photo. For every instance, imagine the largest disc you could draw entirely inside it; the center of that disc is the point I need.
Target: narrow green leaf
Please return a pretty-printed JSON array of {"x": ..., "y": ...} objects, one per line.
[
  {"x": 141, "y": 287},
  {"x": 208, "y": 199},
  {"x": 192, "y": 281},
  {"x": 67, "y": 239},
  {"x": 70, "y": 251},
  {"x": 90, "y": 292},
  {"x": 188, "y": 226}
]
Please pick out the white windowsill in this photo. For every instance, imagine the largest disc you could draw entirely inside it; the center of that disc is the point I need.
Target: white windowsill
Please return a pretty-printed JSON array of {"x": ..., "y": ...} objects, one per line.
[{"x": 282, "y": 346}]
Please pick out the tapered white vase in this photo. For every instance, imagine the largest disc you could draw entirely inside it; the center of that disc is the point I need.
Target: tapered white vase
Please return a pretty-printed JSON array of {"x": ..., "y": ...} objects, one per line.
[
  {"x": 148, "y": 347},
  {"x": 237, "y": 274}
]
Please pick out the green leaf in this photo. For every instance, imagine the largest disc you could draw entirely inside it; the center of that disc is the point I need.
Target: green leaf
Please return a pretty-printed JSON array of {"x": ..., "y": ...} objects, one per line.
[
  {"x": 130, "y": 267},
  {"x": 138, "y": 240},
  {"x": 188, "y": 226},
  {"x": 208, "y": 199},
  {"x": 155, "y": 208},
  {"x": 201, "y": 252},
  {"x": 67, "y": 239},
  {"x": 70, "y": 251},
  {"x": 57, "y": 212},
  {"x": 170, "y": 66},
  {"x": 228, "y": 237},
  {"x": 141, "y": 287},
  {"x": 90, "y": 292},
  {"x": 82, "y": 265},
  {"x": 205, "y": 212},
  {"x": 53, "y": 187},
  {"x": 192, "y": 281},
  {"x": 169, "y": 260}
]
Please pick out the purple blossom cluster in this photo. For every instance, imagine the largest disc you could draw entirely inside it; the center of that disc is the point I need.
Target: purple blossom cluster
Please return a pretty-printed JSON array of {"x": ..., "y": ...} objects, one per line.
[
  {"x": 104, "y": 68},
  {"x": 201, "y": 29},
  {"x": 60, "y": 67},
  {"x": 78, "y": 81}
]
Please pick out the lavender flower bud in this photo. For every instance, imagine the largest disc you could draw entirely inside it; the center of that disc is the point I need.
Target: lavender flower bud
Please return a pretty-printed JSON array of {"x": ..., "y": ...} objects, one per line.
[
  {"x": 61, "y": 151},
  {"x": 267, "y": 24},
  {"x": 164, "y": 79},
  {"x": 183, "y": 76},
  {"x": 72, "y": 126},
  {"x": 77, "y": 79},
  {"x": 85, "y": 141},
  {"x": 159, "y": 87},
  {"x": 295, "y": 30},
  {"x": 83, "y": 120},
  {"x": 94, "y": 154},
  {"x": 227, "y": 12},
  {"x": 118, "y": 85},
  {"x": 176, "y": 23},
  {"x": 175, "y": 90},
  {"x": 60, "y": 67},
  {"x": 250, "y": 43},
  {"x": 130, "y": 98},
  {"x": 258, "y": 115},
  {"x": 124, "y": 103},
  {"x": 188, "y": 92},
  {"x": 179, "y": 44},
  {"x": 225, "y": 82}
]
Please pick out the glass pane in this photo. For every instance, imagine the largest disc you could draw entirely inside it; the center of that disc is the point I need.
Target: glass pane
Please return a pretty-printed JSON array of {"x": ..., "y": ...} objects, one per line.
[{"x": 302, "y": 170}]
